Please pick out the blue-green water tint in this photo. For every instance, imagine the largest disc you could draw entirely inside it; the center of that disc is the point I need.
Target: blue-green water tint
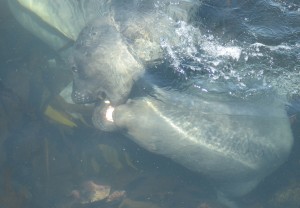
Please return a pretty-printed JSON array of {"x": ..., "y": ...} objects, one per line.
[{"x": 245, "y": 49}]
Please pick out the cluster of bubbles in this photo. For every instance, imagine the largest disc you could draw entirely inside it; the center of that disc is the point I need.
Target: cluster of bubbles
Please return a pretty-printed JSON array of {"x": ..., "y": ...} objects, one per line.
[{"x": 242, "y": 68}]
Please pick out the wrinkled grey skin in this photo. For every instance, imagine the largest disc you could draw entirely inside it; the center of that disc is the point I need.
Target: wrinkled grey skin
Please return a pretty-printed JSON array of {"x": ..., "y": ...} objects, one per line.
[
  {"x": 102, "y": 66},
  {"x": 234, "y": 143},
  {"x": 112, "y": 52}
]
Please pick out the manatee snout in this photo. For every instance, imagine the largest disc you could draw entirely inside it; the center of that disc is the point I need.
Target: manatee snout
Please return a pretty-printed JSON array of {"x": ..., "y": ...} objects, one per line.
[
  {"x": 96, "y": 88},
  {"x": 85, "y": 89},
  {"x": 103, "y": 117},
  {"x": 93, "y": 90}
]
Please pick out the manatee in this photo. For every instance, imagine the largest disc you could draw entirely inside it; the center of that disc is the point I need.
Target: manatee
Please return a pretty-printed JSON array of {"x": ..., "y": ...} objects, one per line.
[
  {"x": 120, "y": 37},
  {"x": 59, "y": 22},
  {"x": 111, "y": 53},
  {"x": 102, "y": 65},
  {"x": 234, "y": 143}
]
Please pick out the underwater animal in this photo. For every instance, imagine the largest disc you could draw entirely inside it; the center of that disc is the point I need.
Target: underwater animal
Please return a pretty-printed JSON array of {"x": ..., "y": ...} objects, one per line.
[
  {"x": 111, "y": 53},
  {"x": 122, "y": 37},
  {"x": 234, "y": 142}
]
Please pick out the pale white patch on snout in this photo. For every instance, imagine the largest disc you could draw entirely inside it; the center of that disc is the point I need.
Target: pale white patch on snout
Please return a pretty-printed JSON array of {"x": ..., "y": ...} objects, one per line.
[{"x": 109, "y": 114}]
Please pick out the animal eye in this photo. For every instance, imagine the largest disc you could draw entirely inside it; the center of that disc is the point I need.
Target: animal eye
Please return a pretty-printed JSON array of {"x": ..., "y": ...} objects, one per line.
[{"x": 74, "y": 69}]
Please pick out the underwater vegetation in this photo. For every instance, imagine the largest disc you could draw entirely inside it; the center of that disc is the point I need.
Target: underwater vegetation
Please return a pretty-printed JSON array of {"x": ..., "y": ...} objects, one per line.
[{"x": 10, "y": 196}]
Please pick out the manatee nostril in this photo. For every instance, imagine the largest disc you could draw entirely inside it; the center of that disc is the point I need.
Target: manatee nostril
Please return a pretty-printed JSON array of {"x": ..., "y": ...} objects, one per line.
[
  {"x": 101, "y": 95},
  {"x": 74, "y": 69}
]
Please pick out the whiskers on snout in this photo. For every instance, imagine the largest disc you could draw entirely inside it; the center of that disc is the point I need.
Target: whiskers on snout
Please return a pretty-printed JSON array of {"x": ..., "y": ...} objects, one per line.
[{"x": 84, "y": 97}]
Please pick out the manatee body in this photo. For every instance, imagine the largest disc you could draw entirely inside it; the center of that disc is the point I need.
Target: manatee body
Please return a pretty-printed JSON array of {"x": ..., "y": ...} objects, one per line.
[{"x": 234, "y": 143}]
